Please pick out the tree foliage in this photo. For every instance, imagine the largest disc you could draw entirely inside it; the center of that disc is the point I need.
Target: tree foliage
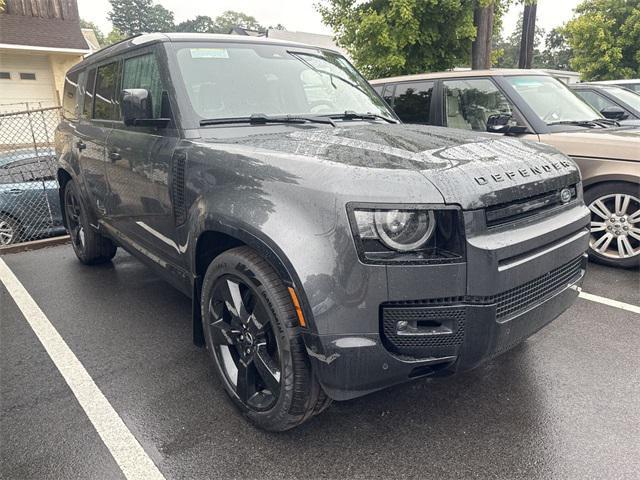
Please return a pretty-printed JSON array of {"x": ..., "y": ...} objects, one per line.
[
  {"x": 605, "y": 38},
  {"x": 131, "y": 17},
  {"x": 221, "y": 24},
  {"x": 398, "y": 37}
]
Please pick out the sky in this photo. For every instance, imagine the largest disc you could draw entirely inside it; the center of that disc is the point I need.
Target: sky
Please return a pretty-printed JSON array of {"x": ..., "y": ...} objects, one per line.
[{"x": 300, "y": 15}]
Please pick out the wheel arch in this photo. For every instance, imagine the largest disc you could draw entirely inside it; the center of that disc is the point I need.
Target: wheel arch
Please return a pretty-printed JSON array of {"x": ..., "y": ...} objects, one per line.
[
  {"x": 216, "y": 239},
  {"x": 591, "y": 182}
]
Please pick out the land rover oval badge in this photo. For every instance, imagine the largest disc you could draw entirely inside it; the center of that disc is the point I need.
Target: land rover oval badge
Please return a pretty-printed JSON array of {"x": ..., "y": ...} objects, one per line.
[{"x": 565, "y": 195}]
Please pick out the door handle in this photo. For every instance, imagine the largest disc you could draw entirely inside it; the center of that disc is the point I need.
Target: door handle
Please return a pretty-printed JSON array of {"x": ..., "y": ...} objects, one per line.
[
  {"x": 115, "y": 156},
  {"x": 81, "y": 145}
]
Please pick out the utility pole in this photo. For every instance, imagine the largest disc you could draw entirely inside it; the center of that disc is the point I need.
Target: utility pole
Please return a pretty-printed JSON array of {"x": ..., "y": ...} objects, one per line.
[
  {"x": 481, "y": 46},
  {"x": 528, "y": 34}
]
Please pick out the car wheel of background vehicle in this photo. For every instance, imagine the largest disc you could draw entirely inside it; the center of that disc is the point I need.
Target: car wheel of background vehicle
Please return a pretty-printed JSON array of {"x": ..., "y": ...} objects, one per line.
[
  {"x": 91, "y": 247},
  {"x": 9, "y": 233},
  {"x": 615, "y": 224},
  {"x": 252, "y": 333}
]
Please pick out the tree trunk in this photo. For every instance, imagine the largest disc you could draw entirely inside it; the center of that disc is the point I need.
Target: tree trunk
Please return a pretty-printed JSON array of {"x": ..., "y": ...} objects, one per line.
[
  {"x": 481, "y": 46},
  {"x": 528, "y": 35}
]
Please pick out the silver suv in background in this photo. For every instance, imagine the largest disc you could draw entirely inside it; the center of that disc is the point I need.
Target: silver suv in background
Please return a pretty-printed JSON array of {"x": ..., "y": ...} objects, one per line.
[{"x": 533, "y": 105}]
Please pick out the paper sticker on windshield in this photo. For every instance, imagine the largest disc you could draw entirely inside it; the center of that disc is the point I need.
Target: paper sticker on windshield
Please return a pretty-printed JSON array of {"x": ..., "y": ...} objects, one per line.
[{"x": 209, "y": 53}]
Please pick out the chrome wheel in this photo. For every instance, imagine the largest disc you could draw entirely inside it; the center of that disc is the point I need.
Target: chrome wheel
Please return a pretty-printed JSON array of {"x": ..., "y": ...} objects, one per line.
[
  {"x": 74, "y": 223},
  {"x": 7, "y": 232},
  {"x": 615, "y": 226},
  {"x": 246, "y": 349}
]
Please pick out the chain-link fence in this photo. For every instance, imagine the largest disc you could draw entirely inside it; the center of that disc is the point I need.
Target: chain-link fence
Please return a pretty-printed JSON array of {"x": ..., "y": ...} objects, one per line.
[{"x": 29, "y": 202}]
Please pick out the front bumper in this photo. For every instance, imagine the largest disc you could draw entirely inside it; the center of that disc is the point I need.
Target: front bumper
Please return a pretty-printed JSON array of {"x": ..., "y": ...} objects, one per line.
[
  {"x": 349, "y": 366},
  {"x": 511, "y": 285}
]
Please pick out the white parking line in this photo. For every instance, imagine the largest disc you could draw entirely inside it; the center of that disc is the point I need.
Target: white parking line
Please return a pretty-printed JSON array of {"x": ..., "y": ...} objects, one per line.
[
  {"x": 612, "y": 303},
  {"x": 125, "y": 449}
]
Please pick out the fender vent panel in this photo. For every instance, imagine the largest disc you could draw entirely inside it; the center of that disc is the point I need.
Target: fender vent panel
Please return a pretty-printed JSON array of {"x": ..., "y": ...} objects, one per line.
[{"x": 177, "y": 187}]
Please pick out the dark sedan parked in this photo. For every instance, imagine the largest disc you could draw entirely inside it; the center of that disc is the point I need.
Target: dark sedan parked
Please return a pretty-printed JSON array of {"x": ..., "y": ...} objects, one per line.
[
  {"x": 29, "y": 202},
  {"x": 611, "y": 101}
]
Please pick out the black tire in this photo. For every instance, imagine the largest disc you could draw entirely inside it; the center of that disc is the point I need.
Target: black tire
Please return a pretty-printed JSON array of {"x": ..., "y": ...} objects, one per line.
[
  {"x": 609, "y": 254},
  {"x": 263, "y": 301},
  {"x": 90, "y": 246},
  {"x": 9, "y": 230}
]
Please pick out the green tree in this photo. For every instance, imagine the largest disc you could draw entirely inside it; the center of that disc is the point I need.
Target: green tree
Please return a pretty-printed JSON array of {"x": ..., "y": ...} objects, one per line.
[
  {"x": 114, "y": 36},
  {"x": 398, "y": 37},
  {"x": 200, "y": 24},
  {"x": 229, "y": 19},
  {"x": 95, "y": 28},
  {"x": 557, "y": 52},
  {"x": 605, "y": 38},
  {"x": 507, "y": 50},
  {"x": 140, "y": 16}
]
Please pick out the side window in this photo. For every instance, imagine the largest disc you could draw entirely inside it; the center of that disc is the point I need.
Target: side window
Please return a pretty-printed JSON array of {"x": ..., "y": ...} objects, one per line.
[
  {"x": 70, "y": 98},
  {"x": 594, "y": 99},
  {"x": 105, "y": 93},
  {"x": 412, "y": 101},
  {"x": 387, "y": 94},
  {"x": 143, "y": 72},
  {"x": 469, "y": 103},
  {"x": 87, "y": 108}
]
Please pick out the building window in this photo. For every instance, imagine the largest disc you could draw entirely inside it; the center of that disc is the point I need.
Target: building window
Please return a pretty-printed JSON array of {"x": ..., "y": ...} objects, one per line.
[
  {"x": 5, "y": 76},
  {"x": 27, "y": 76}
]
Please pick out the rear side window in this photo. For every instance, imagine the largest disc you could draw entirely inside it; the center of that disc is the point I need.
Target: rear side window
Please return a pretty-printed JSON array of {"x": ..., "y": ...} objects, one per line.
[
  {"x": 143, "y": 72},
  {"x": 70, "y": 99},
  {"x": 412, "y": 101},
  {"x": 105, "y": 103},
  {"x": 87, "y": 105}
]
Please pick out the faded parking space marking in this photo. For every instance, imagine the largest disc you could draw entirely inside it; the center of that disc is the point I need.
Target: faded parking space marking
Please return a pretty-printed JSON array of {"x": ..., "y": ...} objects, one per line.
[{"x": 123, "y": 446}]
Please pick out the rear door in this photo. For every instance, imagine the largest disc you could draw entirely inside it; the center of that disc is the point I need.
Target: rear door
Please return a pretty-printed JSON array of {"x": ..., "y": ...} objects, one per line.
[
  {"x": 139, "y": 160},
  {"x": 94, "y": 126}
]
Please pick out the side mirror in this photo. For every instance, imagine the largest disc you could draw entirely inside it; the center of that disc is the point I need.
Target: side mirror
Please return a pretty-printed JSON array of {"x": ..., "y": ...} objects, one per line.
[
  {"x": 137, "y": 108},
  {"x": 614, "y": 113},
  {"x": 502, "y": 123}
]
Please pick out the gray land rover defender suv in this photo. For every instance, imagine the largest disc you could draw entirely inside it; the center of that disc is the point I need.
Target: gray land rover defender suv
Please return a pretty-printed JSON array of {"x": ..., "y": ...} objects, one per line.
[{"x": 329, "y": 250}]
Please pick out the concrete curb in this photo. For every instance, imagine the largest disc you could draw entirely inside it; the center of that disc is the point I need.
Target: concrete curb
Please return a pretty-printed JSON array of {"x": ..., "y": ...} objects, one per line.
[{"x": 35, "y": 245}]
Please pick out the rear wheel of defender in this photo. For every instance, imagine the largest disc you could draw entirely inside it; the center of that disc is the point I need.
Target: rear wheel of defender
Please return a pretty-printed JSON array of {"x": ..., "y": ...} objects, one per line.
[
  {"x": 615, "y": 223},
  {"x": 253, "y": 336},
  {"x": 90, "y": 247}
]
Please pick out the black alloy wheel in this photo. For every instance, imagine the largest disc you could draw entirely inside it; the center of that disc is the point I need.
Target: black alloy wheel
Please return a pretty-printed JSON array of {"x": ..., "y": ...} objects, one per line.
[
  {"x": 255, "y": 340},
  {"x": 74, "y": 224},
  {"x": 89, "y": 245},
  {"x": 244, "y": 342}
]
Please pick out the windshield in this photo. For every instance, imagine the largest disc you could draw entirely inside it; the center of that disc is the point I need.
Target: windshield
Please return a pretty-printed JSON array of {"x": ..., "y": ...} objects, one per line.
[
  {"x": 551, "y": 99},
  {"x": 239, "y": 80},
  {"x": 630, "y": 98}
]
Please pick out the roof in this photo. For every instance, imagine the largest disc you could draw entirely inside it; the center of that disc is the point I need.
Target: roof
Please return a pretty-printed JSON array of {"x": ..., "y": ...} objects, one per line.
[
  {"x": 49, "y": 33},
  {"x": 148, "y": 38},
  {"x": 460, "y": 74},
  {"x": 618, "y": 82},
  {"x": 92, "y": 40}
]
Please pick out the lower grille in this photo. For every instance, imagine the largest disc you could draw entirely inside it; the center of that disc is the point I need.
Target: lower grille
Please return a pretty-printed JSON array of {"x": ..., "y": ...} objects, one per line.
[{"x": 450, "y": 312}]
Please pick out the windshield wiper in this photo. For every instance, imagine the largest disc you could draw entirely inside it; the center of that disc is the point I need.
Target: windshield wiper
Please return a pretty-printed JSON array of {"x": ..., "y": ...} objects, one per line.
[
  {"x": 579, "y": 123},
  {"x": 262, "y": 119},
  {"x": 608, "y": 122},
  {"x": 349, "y": 115}
]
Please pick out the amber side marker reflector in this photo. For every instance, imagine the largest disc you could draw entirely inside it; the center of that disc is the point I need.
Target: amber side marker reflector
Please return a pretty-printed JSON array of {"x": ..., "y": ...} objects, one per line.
[{"x": 296, "y": 305}]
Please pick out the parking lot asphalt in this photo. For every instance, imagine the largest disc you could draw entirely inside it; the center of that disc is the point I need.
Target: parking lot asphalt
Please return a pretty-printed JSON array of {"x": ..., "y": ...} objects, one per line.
[{"x": 565, "y": 404}]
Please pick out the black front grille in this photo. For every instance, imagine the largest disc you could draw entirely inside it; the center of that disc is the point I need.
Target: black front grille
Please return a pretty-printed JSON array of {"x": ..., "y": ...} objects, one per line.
[{"x": 526, "y": 207}]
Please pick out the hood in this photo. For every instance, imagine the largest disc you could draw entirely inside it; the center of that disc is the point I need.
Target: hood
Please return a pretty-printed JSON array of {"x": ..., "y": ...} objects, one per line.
[
  {"x": 469, "y": 169},
  {"x": 612, "y": 143}
]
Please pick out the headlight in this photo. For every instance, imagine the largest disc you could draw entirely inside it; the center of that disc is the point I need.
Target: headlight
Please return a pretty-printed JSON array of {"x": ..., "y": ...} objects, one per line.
[
  {"x": 390, "y": 235},
  {"x": 404, "y": 230}
]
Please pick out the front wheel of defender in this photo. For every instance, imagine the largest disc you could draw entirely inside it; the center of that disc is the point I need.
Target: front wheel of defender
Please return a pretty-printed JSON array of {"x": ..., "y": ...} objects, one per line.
[{"x": 252, "y": 334}]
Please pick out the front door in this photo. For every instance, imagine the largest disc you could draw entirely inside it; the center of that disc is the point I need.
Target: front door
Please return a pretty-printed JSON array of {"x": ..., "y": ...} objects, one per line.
[{"x": 138, "y": 160}]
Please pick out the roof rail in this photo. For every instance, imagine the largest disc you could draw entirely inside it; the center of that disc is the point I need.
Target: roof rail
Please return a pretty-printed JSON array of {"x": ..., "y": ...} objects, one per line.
[{"x": 109, "y": 47}]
